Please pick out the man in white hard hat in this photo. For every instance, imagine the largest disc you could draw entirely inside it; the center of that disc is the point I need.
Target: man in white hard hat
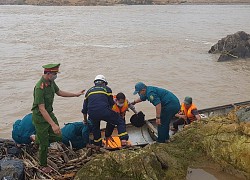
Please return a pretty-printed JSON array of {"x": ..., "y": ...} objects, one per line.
[{"x": 98, "y": 105}]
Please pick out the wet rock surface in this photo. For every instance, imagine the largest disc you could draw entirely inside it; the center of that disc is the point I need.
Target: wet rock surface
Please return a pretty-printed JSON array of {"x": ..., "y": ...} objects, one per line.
[
  {"x": 233, "y": 46},
  {"x": 225, "y": 141},
  {"x": 244, "y": 114},
  {"x": 11, "y": 169},
  {"x": 152, "y": 162}
]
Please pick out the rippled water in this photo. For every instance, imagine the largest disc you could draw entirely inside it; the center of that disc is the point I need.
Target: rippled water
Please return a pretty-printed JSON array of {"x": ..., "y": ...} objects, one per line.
[{"x": 164, "y": 46}]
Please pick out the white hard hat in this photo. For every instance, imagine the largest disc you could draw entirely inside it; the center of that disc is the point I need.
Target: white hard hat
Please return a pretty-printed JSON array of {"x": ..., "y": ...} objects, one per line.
[{"x": 100, "y": 78}]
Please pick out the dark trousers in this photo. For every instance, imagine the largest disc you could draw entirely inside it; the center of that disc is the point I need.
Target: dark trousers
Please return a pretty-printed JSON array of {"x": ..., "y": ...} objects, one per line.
[
  {"x": 180, "y": 122},
  {"x": 112, "y": 118},
  {"x": 167, "y": 113},
  {"x": 110, "y": 128}
]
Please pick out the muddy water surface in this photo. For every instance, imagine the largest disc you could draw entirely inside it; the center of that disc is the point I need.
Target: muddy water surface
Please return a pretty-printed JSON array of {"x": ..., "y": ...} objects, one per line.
[{"x": 165, "y": 46}]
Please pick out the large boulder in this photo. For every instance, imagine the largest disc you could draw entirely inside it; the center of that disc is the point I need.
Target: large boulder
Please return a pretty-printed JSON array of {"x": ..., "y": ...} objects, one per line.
[
  {"x": 11, "y": 169},
  {"x": 244, "y": 114},
  {"x": 152, "y": 162},
  {"x": 233, "y": 46},
  {"x": 223, "y": 140}
]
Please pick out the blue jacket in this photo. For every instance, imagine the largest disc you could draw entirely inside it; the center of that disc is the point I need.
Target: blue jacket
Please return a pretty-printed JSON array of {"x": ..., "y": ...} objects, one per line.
[
  {"x": 97, "y": 99},
  {"x": 23, "y": 129},
  {"x": 77, "y": 133},
  {"x": 157, "y": 95}
]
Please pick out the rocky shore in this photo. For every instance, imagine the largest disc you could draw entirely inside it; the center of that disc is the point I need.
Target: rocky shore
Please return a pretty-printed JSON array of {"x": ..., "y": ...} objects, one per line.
[
  {"x": 115, "y": 2},
  {"x": 220, "y": 143}
]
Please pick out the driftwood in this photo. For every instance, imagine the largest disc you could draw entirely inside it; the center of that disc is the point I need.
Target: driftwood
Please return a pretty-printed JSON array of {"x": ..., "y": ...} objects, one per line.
[
  {"x": 66, "y": 176},
  {"x": 81, "y": 157},
  {"x": 64, "y": 161}
]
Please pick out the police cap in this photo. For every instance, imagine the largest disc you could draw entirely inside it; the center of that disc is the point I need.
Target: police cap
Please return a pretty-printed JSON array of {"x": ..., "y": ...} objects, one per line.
[{"x": 51, "y": 67}]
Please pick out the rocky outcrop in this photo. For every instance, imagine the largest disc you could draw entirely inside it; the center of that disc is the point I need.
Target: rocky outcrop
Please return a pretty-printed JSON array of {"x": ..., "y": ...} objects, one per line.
[
  {"x": 153, "y": 162},
  {"x": 227, "y": 141},
  {"x": 233, "y": 46},
  {"x": 243, "y": 114},
  {"x": 224, "y": 140}
]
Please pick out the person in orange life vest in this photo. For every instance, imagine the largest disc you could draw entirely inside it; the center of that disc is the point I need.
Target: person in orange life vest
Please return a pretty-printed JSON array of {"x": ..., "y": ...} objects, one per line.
[
  {"x": 121, "y": 106},
  {"x": 187, "y": 114}
]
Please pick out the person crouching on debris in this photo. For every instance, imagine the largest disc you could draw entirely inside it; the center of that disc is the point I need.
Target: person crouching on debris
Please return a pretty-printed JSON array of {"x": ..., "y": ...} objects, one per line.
[
  {"x": 98, "y": 105},
  {"x": 76, "y": 134},
  {"x": 187, "y": 114},
  {"x": 43, "y": 118},
  {"x": 23, "y": 131},
  {"x": 166, "y": 105}
]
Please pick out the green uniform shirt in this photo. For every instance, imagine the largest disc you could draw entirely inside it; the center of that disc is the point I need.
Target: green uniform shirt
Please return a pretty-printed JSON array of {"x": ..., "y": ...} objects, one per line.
[{"x": 44, "y": 93}]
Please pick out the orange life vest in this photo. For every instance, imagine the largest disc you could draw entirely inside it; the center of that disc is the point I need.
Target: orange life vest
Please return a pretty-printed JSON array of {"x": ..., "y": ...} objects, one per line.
[
  {"x": 120, "y": 110},
  {"x": 113, "y": 143},
  {"x": 188, "y": 112}
]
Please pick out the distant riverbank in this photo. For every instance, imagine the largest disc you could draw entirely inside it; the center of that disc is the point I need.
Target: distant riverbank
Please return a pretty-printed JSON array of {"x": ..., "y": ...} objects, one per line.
[{"x": 116, "y": 2}]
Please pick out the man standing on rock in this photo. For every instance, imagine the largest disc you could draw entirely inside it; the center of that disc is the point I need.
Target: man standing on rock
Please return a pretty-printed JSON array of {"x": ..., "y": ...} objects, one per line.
[{"x": 43, "y": 118}]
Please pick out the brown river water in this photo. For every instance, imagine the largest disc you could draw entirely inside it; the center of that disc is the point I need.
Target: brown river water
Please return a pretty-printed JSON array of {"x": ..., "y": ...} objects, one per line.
[{"x": 164, "y": 46}]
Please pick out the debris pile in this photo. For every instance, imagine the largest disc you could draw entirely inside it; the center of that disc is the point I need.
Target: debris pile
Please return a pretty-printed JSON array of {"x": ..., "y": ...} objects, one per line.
[{"x": 64, "y": 161}]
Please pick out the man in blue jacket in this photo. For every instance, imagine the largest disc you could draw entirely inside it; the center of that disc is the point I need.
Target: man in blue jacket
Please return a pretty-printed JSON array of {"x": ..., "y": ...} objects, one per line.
[
  {"x": 77, "y": 132},
  {"x": 98, "y": 105},
  {"x": 166, "y": 105},
  {"x": 24, "y": 131}
]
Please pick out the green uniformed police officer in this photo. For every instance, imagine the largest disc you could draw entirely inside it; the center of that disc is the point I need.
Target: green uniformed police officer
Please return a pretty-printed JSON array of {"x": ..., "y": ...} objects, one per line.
[{"x": 43, "y": 118}]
